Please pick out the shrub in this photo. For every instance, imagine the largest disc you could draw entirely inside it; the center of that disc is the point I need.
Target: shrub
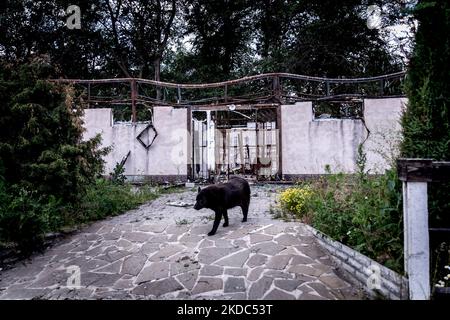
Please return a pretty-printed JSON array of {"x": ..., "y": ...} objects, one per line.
[
  {"x": 40, "y": 124},
  {"x": 361, "y": 211},
  {"x": 23, "y": 220},
  {"x": 106, "y": 198},
  {"x": 25, "y": 217},
  {"x": 48, "y": 173},
  {"x": 117, "y": 175},
  {"x": 294, "y": 200},
  {"x": 364, "y": 214},
  {"x": 46, "y": 166},
  {"x": 426, "y": 121}
]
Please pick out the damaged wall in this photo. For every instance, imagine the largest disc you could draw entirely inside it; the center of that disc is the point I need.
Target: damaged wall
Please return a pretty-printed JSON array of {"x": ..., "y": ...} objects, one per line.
[
  {"x": 309, "y": 144},
  {"x": 382, "y": 117},
  {"x": 164, "y": 160}
]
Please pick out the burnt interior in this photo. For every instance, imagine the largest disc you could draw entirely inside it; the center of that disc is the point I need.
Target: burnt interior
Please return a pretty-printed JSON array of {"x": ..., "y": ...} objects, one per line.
[{"x": 245, "y": 142}]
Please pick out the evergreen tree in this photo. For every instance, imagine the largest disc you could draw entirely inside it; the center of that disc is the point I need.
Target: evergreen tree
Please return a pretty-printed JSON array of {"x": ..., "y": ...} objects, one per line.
[
  {"x": 32, "y": 28},
  {"x": 45, "y": 166},
  {"x": 426, "y": 122},
  {"x": 221, "y": 32},
  {"x": 41, "y": 134},
  {"x": 332, "y": 39},
  {"x": 228, "y": 39}
]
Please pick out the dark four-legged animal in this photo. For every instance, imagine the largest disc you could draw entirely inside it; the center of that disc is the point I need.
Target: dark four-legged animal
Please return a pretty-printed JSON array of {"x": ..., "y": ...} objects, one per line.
[{"x": 223, "y": 196}]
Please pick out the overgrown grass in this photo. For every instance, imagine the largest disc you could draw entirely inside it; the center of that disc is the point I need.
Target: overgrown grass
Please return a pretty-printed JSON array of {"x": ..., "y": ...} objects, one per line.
[
  {"x": 26, "y": 218},
  {"x": 361, "y": 211},
  {"x": 105, "y": 199}
]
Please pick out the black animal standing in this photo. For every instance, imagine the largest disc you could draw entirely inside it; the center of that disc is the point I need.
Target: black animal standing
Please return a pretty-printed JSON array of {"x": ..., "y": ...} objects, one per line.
[{"x": 224, "y": 196}]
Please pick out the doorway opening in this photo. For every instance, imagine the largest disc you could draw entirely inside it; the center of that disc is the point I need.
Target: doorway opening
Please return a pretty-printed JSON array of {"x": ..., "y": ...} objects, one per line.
[{"x": 236, "y": 141}]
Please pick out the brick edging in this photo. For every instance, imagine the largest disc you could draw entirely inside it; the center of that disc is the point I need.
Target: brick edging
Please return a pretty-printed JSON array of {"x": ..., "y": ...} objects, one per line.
[{"x": 358, "y": 268}]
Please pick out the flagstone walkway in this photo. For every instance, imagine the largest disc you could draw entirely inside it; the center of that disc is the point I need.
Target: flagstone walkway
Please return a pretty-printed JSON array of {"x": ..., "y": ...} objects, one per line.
[{"x": 159, "y": 251}]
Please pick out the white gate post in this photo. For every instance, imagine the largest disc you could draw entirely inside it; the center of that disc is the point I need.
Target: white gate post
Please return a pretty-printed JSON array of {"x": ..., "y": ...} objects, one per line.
[
  {"x": 415, "y": 175},
  {"x": 416, "y": 246}
]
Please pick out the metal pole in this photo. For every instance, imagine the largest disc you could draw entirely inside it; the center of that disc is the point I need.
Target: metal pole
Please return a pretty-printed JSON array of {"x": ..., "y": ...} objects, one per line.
[
  {"x": 133, "y": 100},
  {"x": 89, "y": 95},
  {"x": 226, "y": 93}
]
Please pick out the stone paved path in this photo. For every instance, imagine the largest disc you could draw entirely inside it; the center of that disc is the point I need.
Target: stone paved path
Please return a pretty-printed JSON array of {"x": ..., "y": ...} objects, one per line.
[{"x": 162, "y": 252}]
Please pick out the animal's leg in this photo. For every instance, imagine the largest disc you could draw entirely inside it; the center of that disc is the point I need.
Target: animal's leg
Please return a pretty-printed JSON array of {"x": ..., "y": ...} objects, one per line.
[
  {"x": 216, "y": 222},
  {"x": 225, "y": 216},
  {"x": 245, "y": 210}
]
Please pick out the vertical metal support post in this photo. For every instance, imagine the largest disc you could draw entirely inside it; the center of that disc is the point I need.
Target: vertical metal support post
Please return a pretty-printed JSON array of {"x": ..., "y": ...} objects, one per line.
[
  {"x": 225, "y": 93},
  {"x": 257, "y": 145},
  {"x": 133, "y": 100},
  {"x": 89, "y": 95},
  {"x": 276, "y": 88},
  {"x": 279, "y": 144},
  {"x": 190, "y": 144}
]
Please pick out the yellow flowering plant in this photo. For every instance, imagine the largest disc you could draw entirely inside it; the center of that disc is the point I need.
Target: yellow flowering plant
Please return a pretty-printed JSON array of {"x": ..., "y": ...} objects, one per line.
[{"x": 294, "y": 200}]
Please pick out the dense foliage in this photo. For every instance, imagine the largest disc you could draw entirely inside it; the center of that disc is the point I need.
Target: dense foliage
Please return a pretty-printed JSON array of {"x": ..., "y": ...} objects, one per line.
[
  {"x": 360, "y": 211},
  {"x": 105, "y": 198},
  {"x": 48, "y": 174},
  {"x": 295, "y": 199},
  {"x": 41, "y": 135},
  {"x": 201, "y": 40},
  {"x": 45, "y": 164},
  {"x": 426, "y": 122}
]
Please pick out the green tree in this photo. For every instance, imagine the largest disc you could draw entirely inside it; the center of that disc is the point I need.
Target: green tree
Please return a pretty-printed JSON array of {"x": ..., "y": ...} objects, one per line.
[
  {"x": 137, "y": 34},
  {"x": 220, "y": 34},
  {"x": 41, "y": 132},
  {"x": 274, "y": 22},
  {"x": 39, "y": 27},
  {"x": 324, "y": 38},
  {"x": 426, "y": 121},
  {"x": 45, "y": 163},
  {"x": 227, "y": 39}
]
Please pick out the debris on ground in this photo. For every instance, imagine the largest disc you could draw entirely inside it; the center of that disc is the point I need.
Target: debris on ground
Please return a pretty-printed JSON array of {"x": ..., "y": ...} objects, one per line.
[{"x": 179, "y": 204}]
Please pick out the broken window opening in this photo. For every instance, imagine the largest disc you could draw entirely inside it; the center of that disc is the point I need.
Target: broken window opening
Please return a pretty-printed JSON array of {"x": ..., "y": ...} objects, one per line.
[
  {"x": 348, "y": 109},
  {"x": 123, "y": 112},
  {"x": 147, "y": 136}
]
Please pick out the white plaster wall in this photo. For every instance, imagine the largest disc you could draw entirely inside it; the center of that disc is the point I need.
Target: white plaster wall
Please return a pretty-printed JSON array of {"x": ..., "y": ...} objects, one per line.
[
  {"x": 167, "y": 156},
  {"x": 170, "y": 152},
  {"x": 295, "y": 120},
  {"x": 382, "y": 117},
  {"x": 99, "y": 121},
  {"x": 309, "y": 145}
]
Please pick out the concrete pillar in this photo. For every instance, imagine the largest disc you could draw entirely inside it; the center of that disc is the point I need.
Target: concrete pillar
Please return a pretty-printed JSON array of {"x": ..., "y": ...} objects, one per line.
[{"x": 416, "y": 237}]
